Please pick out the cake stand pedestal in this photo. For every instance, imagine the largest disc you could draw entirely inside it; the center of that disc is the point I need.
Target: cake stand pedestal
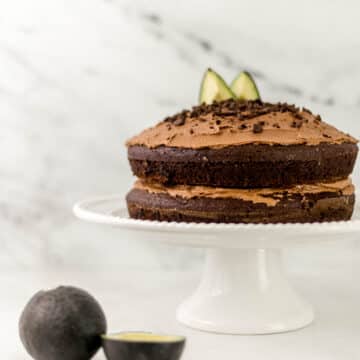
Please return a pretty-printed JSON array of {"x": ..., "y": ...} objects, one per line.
[
  {"x": 244, "y": 289},
  {"x": 245, "y": 292}
]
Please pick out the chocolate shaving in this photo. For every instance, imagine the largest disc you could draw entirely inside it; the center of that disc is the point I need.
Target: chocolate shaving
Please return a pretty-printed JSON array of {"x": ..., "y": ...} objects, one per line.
[
  {"x": 306, "y": 110},
  {"x": 179, "y": 121},
  {"x": 296, "y": 124},
  {"x": 257, "y": 128},
  {"x": 241, "y": 110},
  {"x": 225, "y": 113}
]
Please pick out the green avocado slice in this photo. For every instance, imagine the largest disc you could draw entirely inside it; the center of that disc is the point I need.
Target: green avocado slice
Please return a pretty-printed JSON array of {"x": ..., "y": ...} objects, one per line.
[
  {"x": 214, "y": 88},
  {"x": 244, "y": 87}
]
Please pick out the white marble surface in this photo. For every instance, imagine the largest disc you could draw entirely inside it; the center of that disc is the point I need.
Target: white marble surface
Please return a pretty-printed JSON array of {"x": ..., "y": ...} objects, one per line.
[
  {"x": 77, "y": 77},
  {"x": 147, "y": 300}
]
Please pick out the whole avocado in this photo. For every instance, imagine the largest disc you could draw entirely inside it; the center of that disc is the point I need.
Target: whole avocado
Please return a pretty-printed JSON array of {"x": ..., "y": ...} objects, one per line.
[{"x": 63, "y": 323}]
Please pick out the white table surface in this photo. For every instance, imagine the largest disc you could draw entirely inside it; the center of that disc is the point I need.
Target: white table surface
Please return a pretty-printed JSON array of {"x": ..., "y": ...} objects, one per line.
[{"x": 146, "y": 300}]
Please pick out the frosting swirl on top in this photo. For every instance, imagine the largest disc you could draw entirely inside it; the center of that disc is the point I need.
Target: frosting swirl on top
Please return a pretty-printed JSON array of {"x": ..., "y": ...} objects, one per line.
[{"x": 232, "y": 122}]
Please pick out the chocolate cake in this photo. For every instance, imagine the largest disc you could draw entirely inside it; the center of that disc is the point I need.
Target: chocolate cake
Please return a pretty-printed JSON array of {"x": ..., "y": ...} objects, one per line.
[{"x": 242, "y": 161}]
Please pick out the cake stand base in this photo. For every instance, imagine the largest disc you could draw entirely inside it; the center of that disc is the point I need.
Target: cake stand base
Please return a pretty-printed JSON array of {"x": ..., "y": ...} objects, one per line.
[{"x": 245, "y": 292}]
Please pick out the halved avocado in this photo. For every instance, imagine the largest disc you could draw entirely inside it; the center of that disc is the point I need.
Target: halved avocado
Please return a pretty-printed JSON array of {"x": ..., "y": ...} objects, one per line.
[
  {"x": 142, "y": 345},
  {"x": 244, "y": 87},
  {"x": 214, "y": 88}
]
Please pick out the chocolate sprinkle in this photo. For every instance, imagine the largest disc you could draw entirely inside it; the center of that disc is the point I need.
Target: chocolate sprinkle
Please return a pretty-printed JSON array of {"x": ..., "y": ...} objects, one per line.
[
  {"x": 257, "y": 128},
  {"x": 241, "y": 110},
  {"x": 296, "y": 124},
  {"x": 179, "y": 121}
]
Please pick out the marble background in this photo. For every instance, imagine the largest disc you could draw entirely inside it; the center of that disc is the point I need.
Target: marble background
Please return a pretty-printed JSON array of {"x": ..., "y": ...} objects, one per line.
[{"x": 78, "y": 77}]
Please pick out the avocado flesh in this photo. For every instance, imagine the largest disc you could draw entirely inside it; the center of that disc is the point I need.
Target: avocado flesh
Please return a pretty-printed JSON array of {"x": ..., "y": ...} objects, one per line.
[
  {"x": 143, "y": 337},
  {"x": 214, "y": 88},
  {"x": 244, "y": 87}
]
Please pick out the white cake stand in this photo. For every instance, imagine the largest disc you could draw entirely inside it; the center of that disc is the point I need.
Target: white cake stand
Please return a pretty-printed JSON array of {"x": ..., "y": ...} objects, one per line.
[{"x": 244, "y": 289}]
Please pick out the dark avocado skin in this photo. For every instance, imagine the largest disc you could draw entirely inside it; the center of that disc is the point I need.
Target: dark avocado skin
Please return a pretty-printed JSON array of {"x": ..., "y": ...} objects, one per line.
[
  {"x": 62, "y": 324},
  {"x": 129, "y": 350}
]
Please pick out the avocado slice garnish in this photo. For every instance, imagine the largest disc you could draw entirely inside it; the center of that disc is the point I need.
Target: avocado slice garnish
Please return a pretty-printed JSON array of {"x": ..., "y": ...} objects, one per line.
[
  {"x": 214, "y": 88},
  {"x": 244, "y": 87}
]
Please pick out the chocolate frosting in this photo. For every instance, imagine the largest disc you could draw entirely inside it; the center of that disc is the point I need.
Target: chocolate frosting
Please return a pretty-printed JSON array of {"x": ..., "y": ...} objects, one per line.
[
  {"x": 232, "y": 122},
  {"x": 268, "y": 196}
]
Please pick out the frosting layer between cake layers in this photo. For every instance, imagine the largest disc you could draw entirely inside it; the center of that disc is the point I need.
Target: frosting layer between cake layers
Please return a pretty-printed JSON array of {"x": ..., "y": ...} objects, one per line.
[{"x": 268, "y": 196}]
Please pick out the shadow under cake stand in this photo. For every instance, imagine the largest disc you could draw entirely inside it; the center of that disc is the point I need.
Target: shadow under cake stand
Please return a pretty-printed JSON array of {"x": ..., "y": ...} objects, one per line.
[{"x": 244, "y": 289}]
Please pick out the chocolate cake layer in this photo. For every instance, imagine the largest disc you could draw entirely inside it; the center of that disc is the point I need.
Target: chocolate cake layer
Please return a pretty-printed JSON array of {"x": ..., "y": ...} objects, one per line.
[
  {"x": 243, "y": 145},
  {"x": 244, "y": 166},
  {"x": 305, "y": 203}
]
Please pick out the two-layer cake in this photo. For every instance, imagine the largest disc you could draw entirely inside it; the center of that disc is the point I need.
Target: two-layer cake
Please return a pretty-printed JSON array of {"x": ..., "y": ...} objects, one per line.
[{"x": 236, "y": 161}]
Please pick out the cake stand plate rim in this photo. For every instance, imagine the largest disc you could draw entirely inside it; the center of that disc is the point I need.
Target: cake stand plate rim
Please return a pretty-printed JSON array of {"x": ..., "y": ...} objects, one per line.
[{"x": 111, "y": 210}]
